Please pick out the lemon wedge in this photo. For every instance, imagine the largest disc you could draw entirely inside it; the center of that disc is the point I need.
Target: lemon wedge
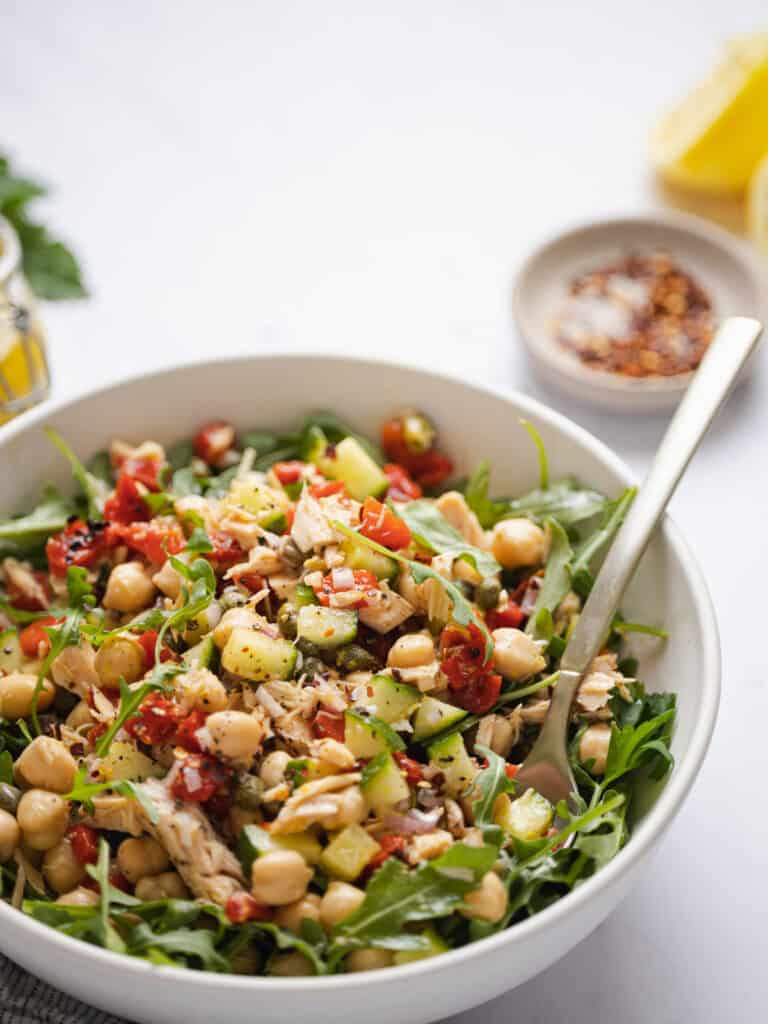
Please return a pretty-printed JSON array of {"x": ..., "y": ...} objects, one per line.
[
  {"x": 716, "y": 136},
  {"x": 757, "y": 206}
]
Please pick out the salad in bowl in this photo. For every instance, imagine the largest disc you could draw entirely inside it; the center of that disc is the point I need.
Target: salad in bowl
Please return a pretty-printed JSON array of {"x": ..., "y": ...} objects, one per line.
[{"x": 263, "y": 699}]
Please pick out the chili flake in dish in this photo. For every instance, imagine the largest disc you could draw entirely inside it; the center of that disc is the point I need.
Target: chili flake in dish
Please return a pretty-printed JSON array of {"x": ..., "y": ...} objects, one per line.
[
  {"x": 640, "y": 316},
  {"x": 254, "y": 686}
]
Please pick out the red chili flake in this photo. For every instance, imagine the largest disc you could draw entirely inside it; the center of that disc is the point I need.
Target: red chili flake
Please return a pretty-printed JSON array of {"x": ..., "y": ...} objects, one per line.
[
  {"x": 411, "y": 768},
  {"x": 84, "y": 841},
  {"x": 198, "y": 777},
  {"x": 157, "y": 720},
  {"x": 328, "y": 724},
  {"x": 242, "y": 907},
  {"x": 185, "y": 734}
]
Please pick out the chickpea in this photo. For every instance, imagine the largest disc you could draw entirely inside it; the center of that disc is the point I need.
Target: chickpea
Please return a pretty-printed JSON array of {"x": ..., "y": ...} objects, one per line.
[
  {"x": 516, "y": 655},
  {"x": 231, "y": 619},
  {"x": 43, "y": 818},
  {"x": 290, "y": 965},
  {"x": 594, "y": 744},
  {"x": 79, "y": 715},
  {"x": 119, "y": 658},
  {"x": 129, "y": 588},
  {"x": 334, "y": 754},
  {"x": 46, "y": 764},
  {"x": 369, "y": 959},
  {"x": 280, "y": 877},
  {"x": 168, "y": 580},
  {"x": 61, "y": 868},
  {"x": 339, "y": 900},
  {"x": 166, "y": 886},
  {"x": 200, "y": 688},
  {"x": 518, "y": 542},
  {"x": 292, "y": 914},
  {"x": 16, "y": 692},
  {"x": 411, "y": 650},
  {"x": 10, "y": 836},
  {"x": 272, "y": 771},
  {"x": 79, "y": 897},
  {"x": 138, "y": 858},
  {"x": 488, "y": 902},
  {"x": 235, "y": 735},
  {"x": 352, "y": 809}
]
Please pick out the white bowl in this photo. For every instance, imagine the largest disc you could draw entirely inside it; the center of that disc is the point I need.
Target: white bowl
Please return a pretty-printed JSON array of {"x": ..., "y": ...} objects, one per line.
[
  {"x": 474, "y": 422},
  {"x": 716, "y": 260}
]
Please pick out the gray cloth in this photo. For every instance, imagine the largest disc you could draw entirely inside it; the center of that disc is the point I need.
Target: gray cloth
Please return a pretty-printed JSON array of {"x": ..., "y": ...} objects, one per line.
[{"x": 25, "y": 1000}]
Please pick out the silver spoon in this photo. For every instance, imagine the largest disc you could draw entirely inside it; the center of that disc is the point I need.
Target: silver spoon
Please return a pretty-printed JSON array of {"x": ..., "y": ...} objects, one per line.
[{"x": 547, "y": 769}]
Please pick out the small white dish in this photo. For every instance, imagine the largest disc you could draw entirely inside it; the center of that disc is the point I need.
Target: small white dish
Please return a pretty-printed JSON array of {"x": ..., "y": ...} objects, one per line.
[{"x": 716, "y": 260}]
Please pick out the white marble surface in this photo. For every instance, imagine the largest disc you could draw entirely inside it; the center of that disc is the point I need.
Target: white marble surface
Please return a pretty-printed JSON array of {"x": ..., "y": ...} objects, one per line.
[{"x": 364, "y": 178}]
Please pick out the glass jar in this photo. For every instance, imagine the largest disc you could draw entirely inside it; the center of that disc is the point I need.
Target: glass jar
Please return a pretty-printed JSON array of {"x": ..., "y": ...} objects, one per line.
[{"x": 24, "y": 376}]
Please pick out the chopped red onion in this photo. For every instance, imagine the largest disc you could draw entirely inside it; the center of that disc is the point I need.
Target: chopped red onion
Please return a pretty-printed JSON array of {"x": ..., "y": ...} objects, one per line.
[
  {"x": 343, "y": 579},
  {"x": 530, "y": 596},
  {"x": 413, "y": 822}
]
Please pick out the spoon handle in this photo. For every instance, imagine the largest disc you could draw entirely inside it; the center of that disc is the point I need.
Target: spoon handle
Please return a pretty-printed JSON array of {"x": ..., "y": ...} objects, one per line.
[{"x": 732, "y": 345}]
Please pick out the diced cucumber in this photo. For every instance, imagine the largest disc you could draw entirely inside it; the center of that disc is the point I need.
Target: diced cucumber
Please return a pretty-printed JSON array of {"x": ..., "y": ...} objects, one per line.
[
  {"x": 304, "y": 769},
  {"x": 450, "y": 757},
  {"x": 350, "y": 462},
  {"x": 433, "y": 716},
  {"x": 124, "y": 761},
  {"x": 366, "y": 736},
  {"x": 202, "y": 624},
  {"x": 304, "y": 595},
  {"x": 348, "y": 853},
  {"x": 255, "y": 841},
  {"x": 255, "y": 656},
  {"x": 436, "y": 944},
  {"x": 260, "y": 501},
  {"x": 388, "y": 700},
  {"x": 315, "y": 446},
  {"x": 383, "y": 784},
  {"x": 201, "y": 655},
  {"x": 528, "y": 817},
  {"x": 360, "y": 556},
  {"x": 326, "y": 627},
  {"x": 10, "y": 651}
]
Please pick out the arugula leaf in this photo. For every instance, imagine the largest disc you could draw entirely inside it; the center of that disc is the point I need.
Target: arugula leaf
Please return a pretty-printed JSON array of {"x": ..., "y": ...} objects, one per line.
[
  {"x": 602, "y": 838},
  {"x": 6, "y": 767},
  {"x": 100, "y": 466},
  {"x": 110, "y": 938},
  {"x": 336, "y": 430},
  {"x": 199, "y": 542},
  {"x": 94, "y": 489},
  {"x": 613, "y": 516},
  {"x": 432, "y": 531},
  {"x": 180, "y": 455},
  {"x": 67, "y": 634},
  {"x": 489, "y": 785},
  {"x": 397, "y": 895},
  {"x": 619, "y": 626},
  {"x": 197, "y": 943},
  {"x": 26, "y": 533},
  {"x": 556, "y": 583},
  {"x": 543, "y": 462},
  {"x": 463, "y": 611},
  {"x": 185, "y": 482},
  {"x": 488, "y": 512},
  {"x": 640, "y": 734}
]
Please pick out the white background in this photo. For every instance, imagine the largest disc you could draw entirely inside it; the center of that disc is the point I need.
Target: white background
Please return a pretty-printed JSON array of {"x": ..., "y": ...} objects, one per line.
[{"x": 364, "y": 178}]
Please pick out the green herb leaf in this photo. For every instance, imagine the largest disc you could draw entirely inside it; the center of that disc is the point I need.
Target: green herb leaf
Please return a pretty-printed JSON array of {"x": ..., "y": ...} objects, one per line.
[
  {"x": 487, "y": 787},
  {"x": 432, "y": 531},
  {"x": 397, "y": 895},
  {"x": 556, "y": 583},
  {"x": 641, "y": 732},
  {"x": 26, "y": 533},
  {"x": 94, "y": 489},
  {"x": 199, "y": 541},
  {"x": 6, "y": 767},
  {"x": 619, "y": 626},
  {"x": 83, "y": 792},
  {"x": 543, "y": 462},
  {"x": 487, "y": 511}
]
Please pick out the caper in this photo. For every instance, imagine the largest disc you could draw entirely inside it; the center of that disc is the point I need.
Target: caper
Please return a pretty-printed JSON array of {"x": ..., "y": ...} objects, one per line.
[
  {"x": 487, "y": 593},
  {"x": 232, "y": 597},
  {"x": 308, "y": 649},
  {"x": 466, "y": 588},
  {"x": 248, "y": 792},
  {"x": 312, "y": 667},
  {"x": 290, "y": 553},
  {"x": 354, "y": 658},
  {"x": 9, "y": 797},
  {"x": 288, "y": 620}
]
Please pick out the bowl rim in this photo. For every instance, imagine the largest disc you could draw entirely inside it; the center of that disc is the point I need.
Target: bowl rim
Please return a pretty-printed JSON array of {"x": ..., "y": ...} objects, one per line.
[
  {"x": 643, "y": 838},
  {"x": 571, "y": 371}
]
